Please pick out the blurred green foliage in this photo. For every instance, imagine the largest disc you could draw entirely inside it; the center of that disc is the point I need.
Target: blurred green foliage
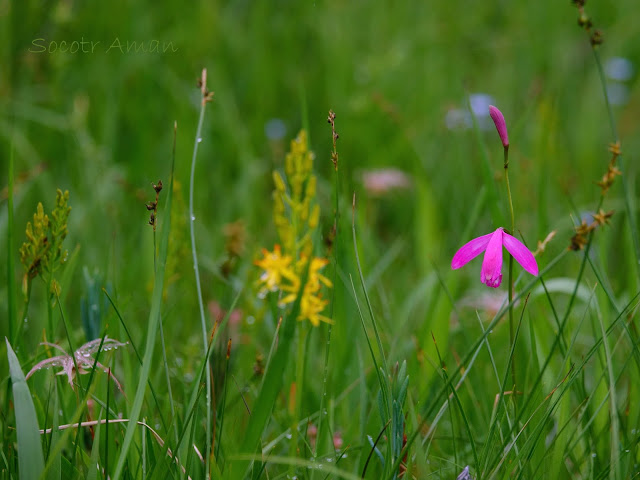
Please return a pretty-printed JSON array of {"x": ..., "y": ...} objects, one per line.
[{"x": 100, "y": 124}]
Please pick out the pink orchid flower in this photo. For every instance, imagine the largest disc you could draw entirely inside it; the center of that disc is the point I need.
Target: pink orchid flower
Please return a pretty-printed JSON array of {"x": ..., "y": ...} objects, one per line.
[
  {"x": 501, "y": 125},
  {"x": 491, "y": 274}
]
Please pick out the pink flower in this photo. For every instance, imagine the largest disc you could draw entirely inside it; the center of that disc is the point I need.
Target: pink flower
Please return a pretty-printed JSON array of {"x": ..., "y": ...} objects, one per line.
[
  {"x": 491, "y": 274},
  {"x": 83, "y": 359},
  {"x": 501, "y": 125}
]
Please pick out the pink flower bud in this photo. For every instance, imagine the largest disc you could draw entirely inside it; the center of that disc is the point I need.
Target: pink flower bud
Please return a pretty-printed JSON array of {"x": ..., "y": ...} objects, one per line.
[{"x": 501, "y": 126}]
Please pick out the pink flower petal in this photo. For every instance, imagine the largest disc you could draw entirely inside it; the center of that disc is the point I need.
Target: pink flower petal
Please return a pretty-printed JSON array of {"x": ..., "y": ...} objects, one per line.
[
  {"x": 491, "y": 274},
  {"x": 521, "y": 253},
  {"x": 501, "y": 125},
  {"x": 470, "y": 250}
]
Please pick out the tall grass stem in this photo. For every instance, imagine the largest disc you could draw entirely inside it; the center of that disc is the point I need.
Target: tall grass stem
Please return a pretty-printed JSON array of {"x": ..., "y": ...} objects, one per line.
[
  {"x": 513, "y": 232},
  {"x": 196, "y": 143}
]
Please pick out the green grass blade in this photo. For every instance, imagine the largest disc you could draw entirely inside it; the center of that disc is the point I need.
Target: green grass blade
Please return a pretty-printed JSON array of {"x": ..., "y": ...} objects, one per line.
[
  {"x": 384, "y": 384},
  {"x": 152, "y": 329},
  {"x": 272, "y": 383},
  {"x": 11, "y": 277},
  {"x": 300, "y": 462},
  {"x": 135, "y": 350},
  {"x": 30, "y": 458},
  {"x": 55, "y": 468},
  {"x": 615, "y": 424},
  {"x": 628, "y": 200},
  {"x": 94, "y": 465}
]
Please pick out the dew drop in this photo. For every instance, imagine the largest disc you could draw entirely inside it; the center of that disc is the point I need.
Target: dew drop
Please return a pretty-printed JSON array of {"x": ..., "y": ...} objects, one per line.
[{"x": 199, "y": 139}]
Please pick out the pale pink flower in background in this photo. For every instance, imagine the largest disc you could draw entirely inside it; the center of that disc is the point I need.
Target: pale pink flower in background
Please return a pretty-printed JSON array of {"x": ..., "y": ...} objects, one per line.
[
  {"x": 491, "y": 244},
  {"x": 501, "y": 125},
  {"x": 381, "y": 181},
  {"x": 83, "y": 358}
]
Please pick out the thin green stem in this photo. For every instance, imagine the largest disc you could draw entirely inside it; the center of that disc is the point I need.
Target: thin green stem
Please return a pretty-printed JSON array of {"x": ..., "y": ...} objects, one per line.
[
  {"x": 633, "y": 225},
  {"x": 383, "y": 379},
  {"x": 192, "y": 218},
  {"x": 17, "y": 340},
  {"x": 224, "y": 400},
  {"x": 50, "y": 297},
  {"x": 297, "y": 392},
  {"x": 513, "y": 230},
  {"x": 603, "y": 82},
  {"x": 162, "y": 342},
  {"x": 336, "y": 219}
]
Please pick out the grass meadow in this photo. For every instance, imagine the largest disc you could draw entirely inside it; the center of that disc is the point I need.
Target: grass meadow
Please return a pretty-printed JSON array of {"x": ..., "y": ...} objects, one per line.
[{"x": 229, "y": 230}]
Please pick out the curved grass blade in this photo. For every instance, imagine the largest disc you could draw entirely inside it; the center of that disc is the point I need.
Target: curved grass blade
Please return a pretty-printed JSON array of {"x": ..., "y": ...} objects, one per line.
[{"x": 30, "y": 457}]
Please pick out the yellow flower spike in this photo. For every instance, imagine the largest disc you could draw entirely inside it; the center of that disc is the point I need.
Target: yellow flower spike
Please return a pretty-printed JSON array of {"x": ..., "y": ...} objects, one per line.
[
  {"x": 307, "y": 161},
  {"x": 305, "y": 246},
  {"x": 42, "y": 252},
  {"x": 277, "y": 268},
  {"x": 296, "y": 216},
  {"x": 310, "y": 190},
  {"x": 314, "y": 218},
  {"x": 304, "y": 210},
  {"x": 288, "y": 165},
  {"x": 279, "y": 182}
]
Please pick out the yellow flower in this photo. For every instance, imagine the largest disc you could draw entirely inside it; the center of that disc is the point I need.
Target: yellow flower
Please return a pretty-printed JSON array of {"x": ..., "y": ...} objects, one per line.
[
  {"x": 315, "y": 277},
  {"x": 311, "y": 305},
  {"x": 276, "y": 268},
  {"x": 311, "y": 308}
]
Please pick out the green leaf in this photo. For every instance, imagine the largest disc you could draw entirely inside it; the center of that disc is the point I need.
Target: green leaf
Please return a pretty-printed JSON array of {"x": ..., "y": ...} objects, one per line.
[
  {"x": 54, "y": 471},
  {"x": 30, "y": 458},
  {"x": 94, "y": 465}
]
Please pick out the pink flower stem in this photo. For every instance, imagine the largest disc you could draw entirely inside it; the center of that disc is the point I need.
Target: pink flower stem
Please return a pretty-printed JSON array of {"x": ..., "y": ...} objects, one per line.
[{"x": 513, "y": 232}]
